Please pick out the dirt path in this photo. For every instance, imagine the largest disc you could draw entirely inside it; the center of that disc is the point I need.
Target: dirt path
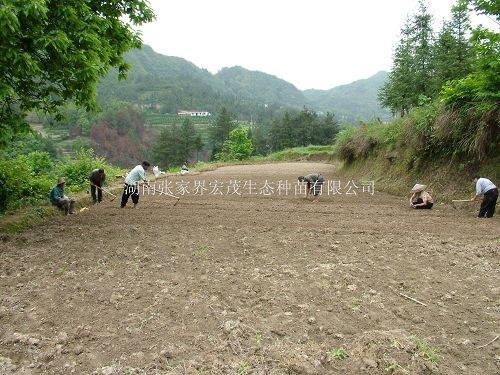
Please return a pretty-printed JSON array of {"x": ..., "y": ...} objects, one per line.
[{"x": 228, "y": 282}]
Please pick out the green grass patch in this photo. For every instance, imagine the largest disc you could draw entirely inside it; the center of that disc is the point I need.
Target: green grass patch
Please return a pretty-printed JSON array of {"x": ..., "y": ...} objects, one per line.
[
  {"x": 308, "y": 152},
  {"x": 426, "y": 351},
  {"x": 337, "y": 354}
]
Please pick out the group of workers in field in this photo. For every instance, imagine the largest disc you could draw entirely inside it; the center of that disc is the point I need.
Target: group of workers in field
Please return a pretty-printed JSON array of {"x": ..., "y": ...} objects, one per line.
[
  {"x": 485, "y": 188},
  {"x": 420, "y": 198},
  {"x": 96, "y": 179}
]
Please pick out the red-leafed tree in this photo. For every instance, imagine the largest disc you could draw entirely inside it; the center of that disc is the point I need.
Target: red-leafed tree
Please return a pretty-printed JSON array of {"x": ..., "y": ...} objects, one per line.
[{"x": 120, "y": 136}]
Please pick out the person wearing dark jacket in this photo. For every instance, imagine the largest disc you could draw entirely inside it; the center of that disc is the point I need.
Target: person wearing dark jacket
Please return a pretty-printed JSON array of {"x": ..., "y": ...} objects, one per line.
[
  {"x": 97, "y": 178},
  {"x": 314, "y": 183}
]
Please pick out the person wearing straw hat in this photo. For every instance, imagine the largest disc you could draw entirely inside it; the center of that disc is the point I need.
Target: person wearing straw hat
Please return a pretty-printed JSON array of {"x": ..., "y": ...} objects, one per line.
[
  {"x": 57, "y": 198},
  {"x": 420, "y": 198}
]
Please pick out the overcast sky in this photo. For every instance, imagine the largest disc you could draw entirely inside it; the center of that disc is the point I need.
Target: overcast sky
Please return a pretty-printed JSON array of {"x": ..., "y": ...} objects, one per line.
[{"x": 316, "y": 44}]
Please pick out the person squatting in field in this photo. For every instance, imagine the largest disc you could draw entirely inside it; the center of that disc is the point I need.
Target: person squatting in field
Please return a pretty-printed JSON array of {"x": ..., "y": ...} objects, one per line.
[
  {"x": 97, "y": 178},
  {"x": 489, "y": 192},
  {"x": 420, "y": 198},
  {"x": 131, "y": 186},
  {"x": 314, "y": 183}
]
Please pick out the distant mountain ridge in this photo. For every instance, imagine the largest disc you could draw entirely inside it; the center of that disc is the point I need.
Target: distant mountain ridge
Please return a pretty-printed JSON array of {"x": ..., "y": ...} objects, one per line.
[
  {"x": 168, "y": 84},
  {"x": 356, "y": 101}
]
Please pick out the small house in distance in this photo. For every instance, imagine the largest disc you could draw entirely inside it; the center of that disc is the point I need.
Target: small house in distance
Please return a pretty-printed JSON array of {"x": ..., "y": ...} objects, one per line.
[{"x": 193, "y": 113}]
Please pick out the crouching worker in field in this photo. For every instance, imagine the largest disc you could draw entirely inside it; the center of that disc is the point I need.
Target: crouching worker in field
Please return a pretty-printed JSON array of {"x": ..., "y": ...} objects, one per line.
[
  {"x": 420, "y": 198},
  {"x": 314, "y": 183},
  {"x": 131, "y": 187},
  {"x": 57, "y": 198}
]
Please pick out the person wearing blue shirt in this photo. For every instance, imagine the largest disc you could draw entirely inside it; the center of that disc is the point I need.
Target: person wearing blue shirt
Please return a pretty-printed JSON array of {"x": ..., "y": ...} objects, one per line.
[
  {"x": 57, "y": 198},
  {"x": 489, "y": 192}
]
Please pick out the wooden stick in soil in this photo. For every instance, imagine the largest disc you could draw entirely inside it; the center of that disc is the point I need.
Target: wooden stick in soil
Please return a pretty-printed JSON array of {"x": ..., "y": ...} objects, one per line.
[
  {"x": 412, "y": 299},
  {"x": 488, "y": 343}
]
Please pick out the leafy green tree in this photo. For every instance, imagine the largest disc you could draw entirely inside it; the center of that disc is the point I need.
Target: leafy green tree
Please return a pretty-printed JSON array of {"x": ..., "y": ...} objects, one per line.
[
  {"x": 396, "y": 92},
  {"x": 260, "y": 139},
  {"x": 472, "y": 101},
  {"x": 452, "y": 50},
  {"x": 55, "y": 51},
  {"x": 410, "y": 81},
  {"x": 165, "y": 150},
  {"x": 326, "y": 130},
  {"x": 177, "y": 145},
  {"x": 480, "y": 88},
  {"x": 220, "y": 129},
  {"x": 280, "y": 133},
  {"x": 422, "y": 39},
  {"x": 23, "y": 144},
  {"x": 487, "y": 7},
  {"x": 190, "y": 141},
  {"x": 75, "y": 119},
  {"x": 302, "y": 129},
  {"x": 237, "y": 147}
]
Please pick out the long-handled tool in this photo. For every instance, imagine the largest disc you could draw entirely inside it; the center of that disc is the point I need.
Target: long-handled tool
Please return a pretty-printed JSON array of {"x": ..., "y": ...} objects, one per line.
[
  {"x": 166, "y": 193},
  {"x": 106, "y": 191},
  {"x": 461, "y": 201}
]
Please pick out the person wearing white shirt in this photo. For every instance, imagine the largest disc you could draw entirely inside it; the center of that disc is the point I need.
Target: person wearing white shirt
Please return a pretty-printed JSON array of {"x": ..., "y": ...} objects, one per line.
[
  {"x": 489, "y": 192},
  {"x": 131, "y": 188}
]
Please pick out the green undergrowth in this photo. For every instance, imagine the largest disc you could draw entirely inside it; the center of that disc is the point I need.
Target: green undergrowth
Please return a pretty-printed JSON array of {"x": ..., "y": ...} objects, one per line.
[
  {"x": 312, "y": 153},
  {"x": 37, "y": 214},
  {"x": 432, "y": 145},
  {"x": 445, "y": 180}
]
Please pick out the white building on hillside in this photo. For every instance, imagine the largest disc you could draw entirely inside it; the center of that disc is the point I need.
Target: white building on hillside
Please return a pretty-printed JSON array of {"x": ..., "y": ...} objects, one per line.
[{"x": 193, "y": 113}]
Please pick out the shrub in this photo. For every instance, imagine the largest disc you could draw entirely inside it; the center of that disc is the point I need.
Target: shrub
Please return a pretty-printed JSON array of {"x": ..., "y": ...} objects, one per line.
[
  {"x": 25, "y": 179},
  {"x": 237, "y": 147},
  {"x": 76, "y": 170},
  {"x": 358, "y": 143}
]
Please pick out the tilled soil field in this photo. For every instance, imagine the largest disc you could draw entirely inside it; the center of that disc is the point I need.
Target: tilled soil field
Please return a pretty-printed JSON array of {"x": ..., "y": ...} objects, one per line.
[{"x": 246, "y": 276}]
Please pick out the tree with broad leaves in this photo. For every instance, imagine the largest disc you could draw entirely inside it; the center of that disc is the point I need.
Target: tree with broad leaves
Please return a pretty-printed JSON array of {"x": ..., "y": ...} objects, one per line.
[
  {"x": 237, "y": 147},
  {"x": 52, "y": 52}
]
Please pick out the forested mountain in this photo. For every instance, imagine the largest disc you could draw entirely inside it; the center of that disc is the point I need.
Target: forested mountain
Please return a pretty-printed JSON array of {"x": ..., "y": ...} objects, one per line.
[
  {"x": 168, "y": 83},
  {"x": 354, "y": 102},
  {"x": 261, "y": 87}
]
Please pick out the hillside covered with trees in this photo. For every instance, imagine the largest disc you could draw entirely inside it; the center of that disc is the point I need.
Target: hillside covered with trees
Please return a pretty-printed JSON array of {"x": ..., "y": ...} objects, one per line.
[{"x": 167, "y": 84}]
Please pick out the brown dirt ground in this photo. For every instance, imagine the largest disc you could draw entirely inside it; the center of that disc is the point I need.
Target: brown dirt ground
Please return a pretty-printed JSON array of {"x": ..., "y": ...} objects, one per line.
[{"x": 253, "y": 284}]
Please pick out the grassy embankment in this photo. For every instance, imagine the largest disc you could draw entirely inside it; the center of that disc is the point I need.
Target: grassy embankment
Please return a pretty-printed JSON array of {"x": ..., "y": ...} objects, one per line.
[{"x": 432, "y": 145}]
